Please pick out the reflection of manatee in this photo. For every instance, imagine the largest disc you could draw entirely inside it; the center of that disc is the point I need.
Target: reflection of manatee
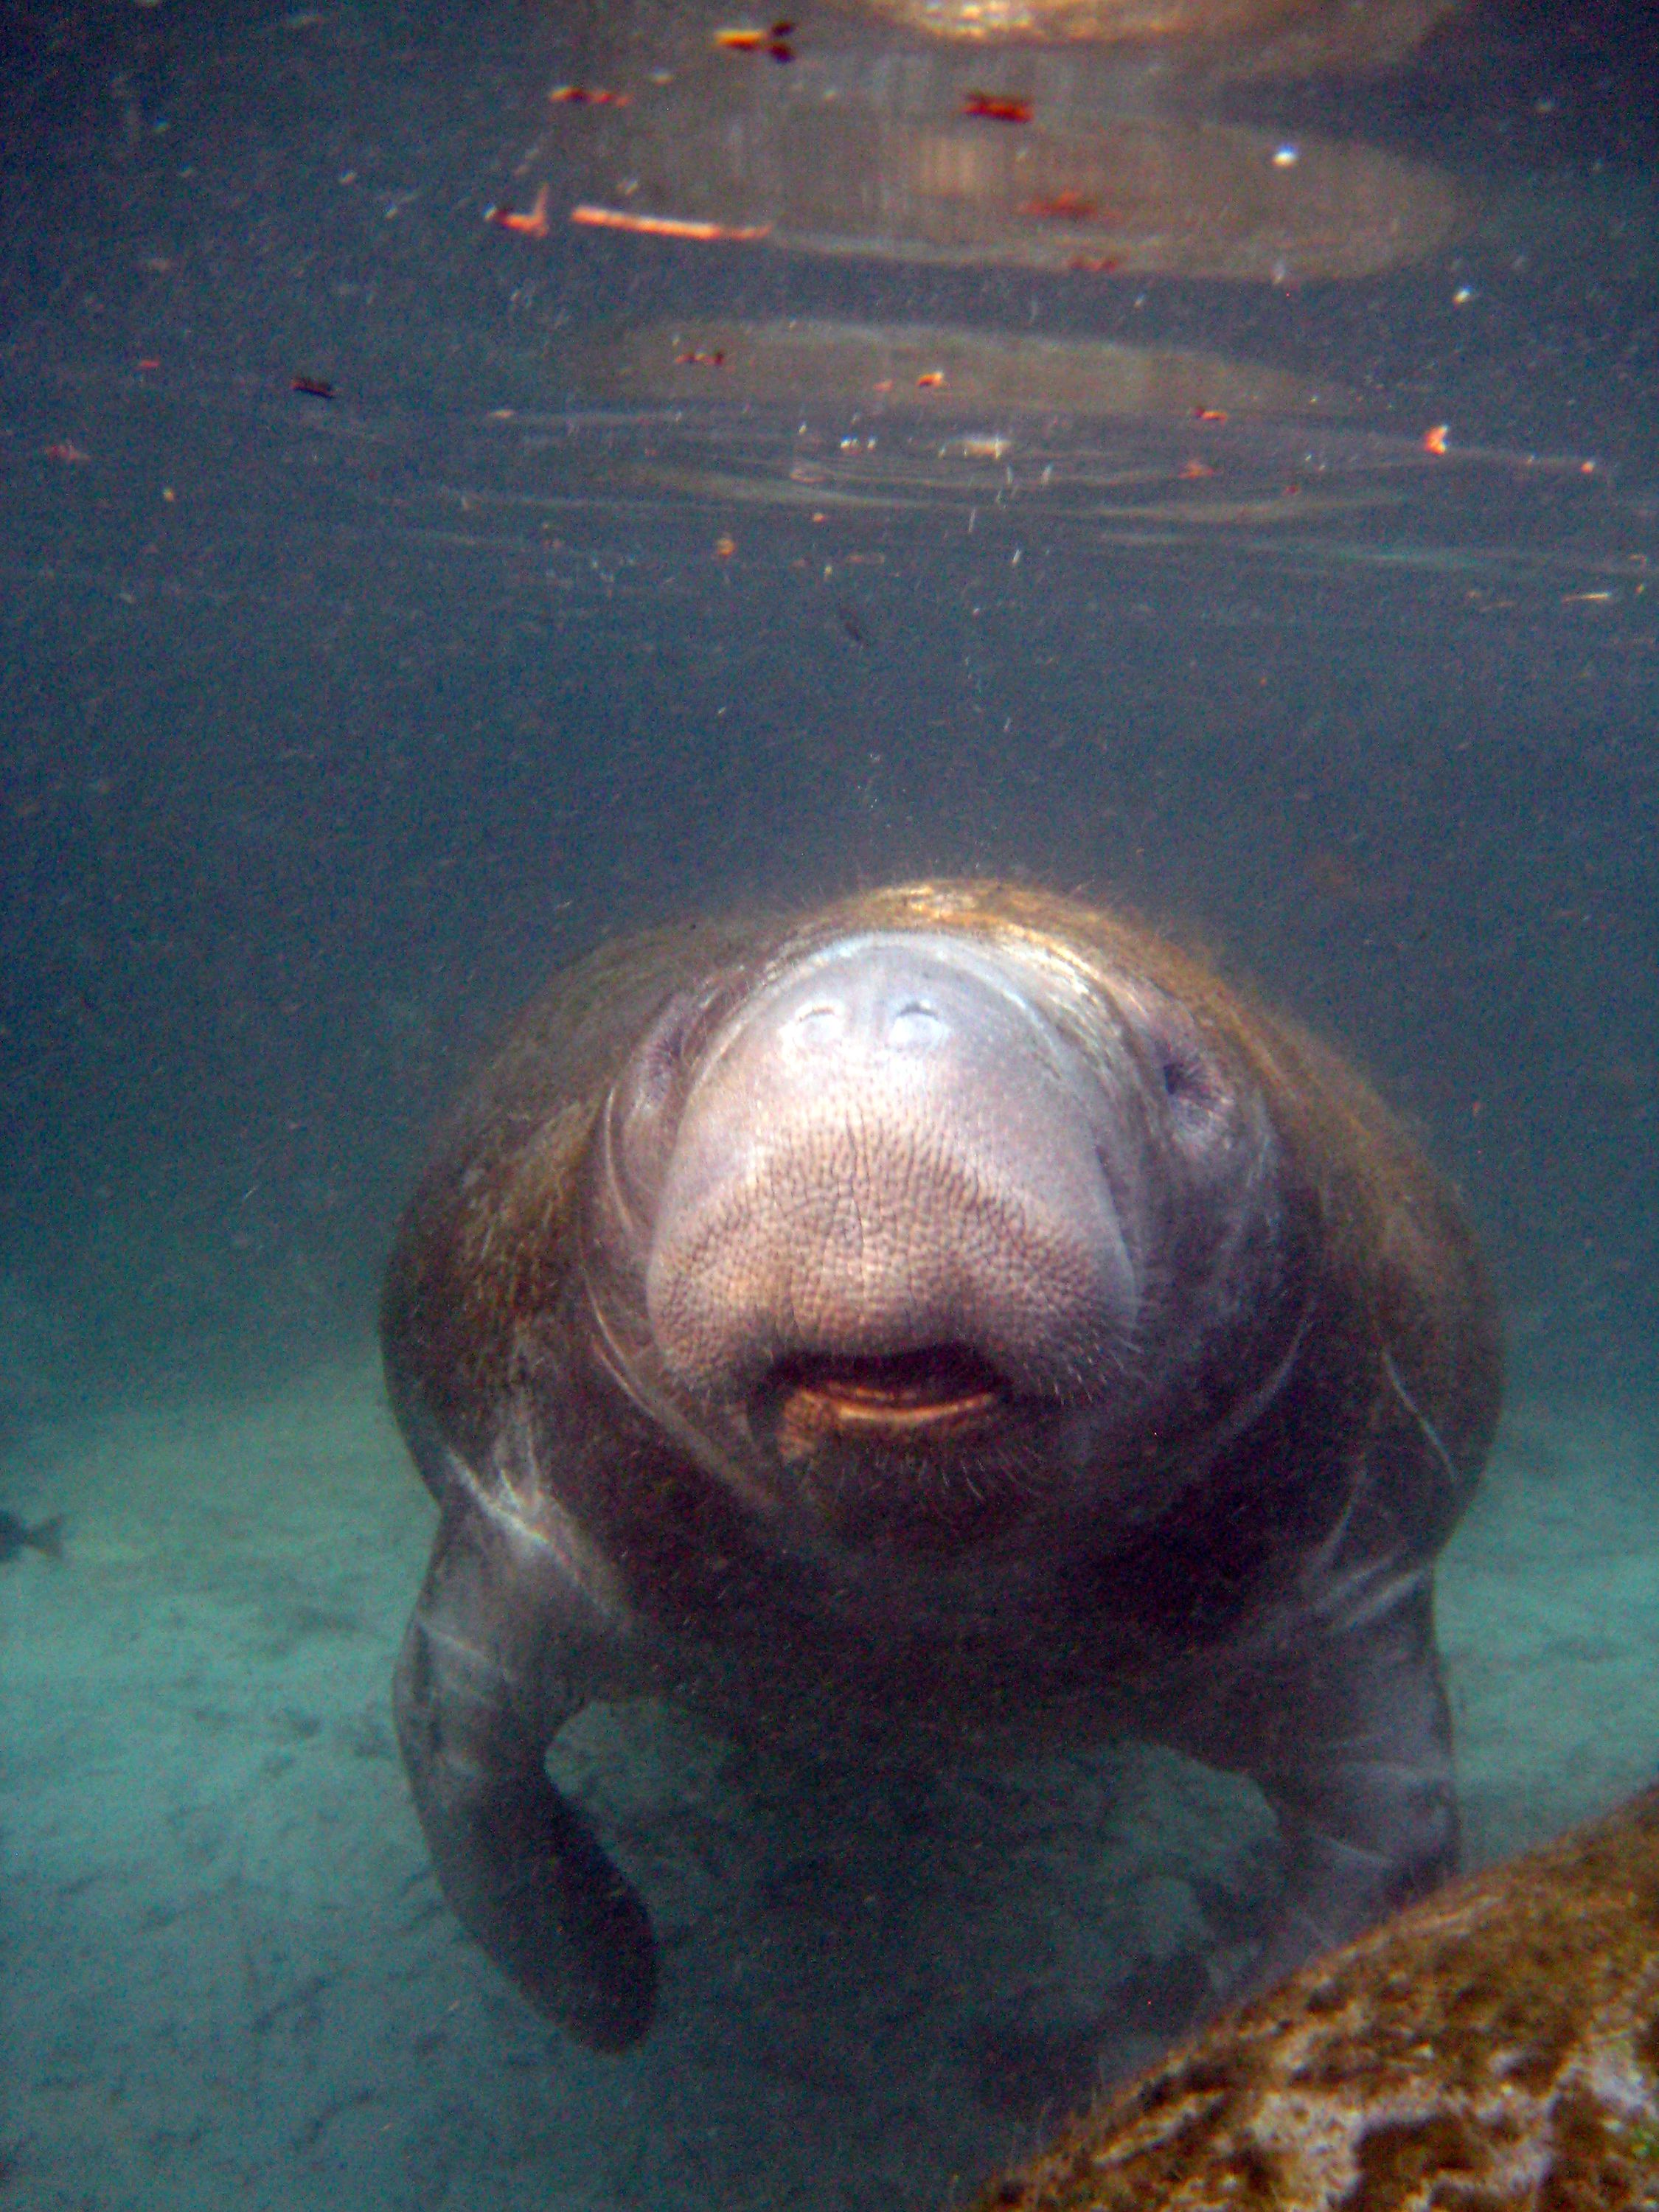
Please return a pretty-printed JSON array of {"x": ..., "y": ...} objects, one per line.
[
  {"x": 1142, "y": 196},
  {"x": 863, "y": 147},
  {"x": 1495, "y": 2047},
  {"x": 1239, "y": 38},
  {"x": 954, "y": 1321},
  {"x": 805, "y": 360}
]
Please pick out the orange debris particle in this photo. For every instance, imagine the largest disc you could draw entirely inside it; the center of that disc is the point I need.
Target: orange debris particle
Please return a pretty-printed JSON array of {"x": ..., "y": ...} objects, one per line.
[
  {"x": 664, "y": 226},
  {"x": 1059, "y": 206},
  {"x": 741, "y": 39},
  {"x": 997, "y": 106},
  {"x": 725, "y": 547},
  {"x": 1192, "y": 469},
  {"x": 1209, "y": 414},
  {"x": 589, "y": 95},
  {"x": 530, "y": 225},
  {"x": 1434, "y": 441},
  {"x": 930, "y": 379}
]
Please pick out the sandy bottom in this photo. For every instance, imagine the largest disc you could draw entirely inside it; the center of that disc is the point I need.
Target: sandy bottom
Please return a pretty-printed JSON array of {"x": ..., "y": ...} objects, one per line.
[{"x": 230, "y": 1980}]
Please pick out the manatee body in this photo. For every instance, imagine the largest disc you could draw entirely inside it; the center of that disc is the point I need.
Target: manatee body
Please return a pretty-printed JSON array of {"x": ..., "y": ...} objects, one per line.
[{"x": 948, "y": 1322}]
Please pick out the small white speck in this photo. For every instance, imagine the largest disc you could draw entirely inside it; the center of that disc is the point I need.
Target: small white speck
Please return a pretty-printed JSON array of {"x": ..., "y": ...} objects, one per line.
[
  {"x": 1462, "y": 295},
  {"x": 1286, "y": 157}
]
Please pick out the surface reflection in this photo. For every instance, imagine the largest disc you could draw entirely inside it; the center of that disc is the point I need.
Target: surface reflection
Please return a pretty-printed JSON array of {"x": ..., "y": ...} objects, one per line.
[
  {"x": 1229, "y": 37},
  {"x": 1092, "y": 160}
]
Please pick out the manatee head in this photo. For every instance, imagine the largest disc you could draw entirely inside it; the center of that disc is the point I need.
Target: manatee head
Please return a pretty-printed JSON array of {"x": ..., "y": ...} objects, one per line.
[{"x": 921, "y": 1234}]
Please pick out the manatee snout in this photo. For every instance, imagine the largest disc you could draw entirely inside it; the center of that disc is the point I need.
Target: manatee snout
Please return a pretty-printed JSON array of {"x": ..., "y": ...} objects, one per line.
[{"x": 891, "y": 1173}]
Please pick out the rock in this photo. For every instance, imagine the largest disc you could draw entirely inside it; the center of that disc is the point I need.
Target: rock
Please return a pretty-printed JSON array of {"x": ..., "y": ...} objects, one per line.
[{"x": 1494, "y": 2047}]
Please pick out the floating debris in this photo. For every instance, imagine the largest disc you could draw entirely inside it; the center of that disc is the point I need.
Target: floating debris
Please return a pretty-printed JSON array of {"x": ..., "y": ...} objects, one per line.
[
  {"x": 997, "y": 106},
  {"x": 774, "y": 43},
  {"x": 667, "y": 226},
  {"x": 585, "y": 96},
  {"x": 533, "y": 224}
]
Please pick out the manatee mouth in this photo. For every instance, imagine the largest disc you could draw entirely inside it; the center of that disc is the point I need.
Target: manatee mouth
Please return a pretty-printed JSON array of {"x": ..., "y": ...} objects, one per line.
[{"x": 904, "y": 1397}]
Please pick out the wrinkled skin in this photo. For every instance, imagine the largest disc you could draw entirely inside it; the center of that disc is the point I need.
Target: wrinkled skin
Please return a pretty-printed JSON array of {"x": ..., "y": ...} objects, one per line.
[{"x": 951, "y": 1320}]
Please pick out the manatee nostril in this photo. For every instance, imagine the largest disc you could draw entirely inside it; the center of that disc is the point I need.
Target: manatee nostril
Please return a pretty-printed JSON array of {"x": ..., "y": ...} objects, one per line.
[
  {"x": 818, "y": 1023},
  {"x": 915, "y": 1023}
]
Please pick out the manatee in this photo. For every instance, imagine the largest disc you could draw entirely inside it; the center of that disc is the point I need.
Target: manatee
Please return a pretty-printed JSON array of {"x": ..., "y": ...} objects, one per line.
[
  {"x": 951, "y": 1322},
  {"x": 1496, "y": 2046}
]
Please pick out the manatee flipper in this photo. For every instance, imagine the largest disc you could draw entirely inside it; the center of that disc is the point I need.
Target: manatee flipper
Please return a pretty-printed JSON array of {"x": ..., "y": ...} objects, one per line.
[
  {"x": 1347, "y": 1734},
  {"x": 475, "y": 1712},
  {"x": 1367, "y": 1807}
]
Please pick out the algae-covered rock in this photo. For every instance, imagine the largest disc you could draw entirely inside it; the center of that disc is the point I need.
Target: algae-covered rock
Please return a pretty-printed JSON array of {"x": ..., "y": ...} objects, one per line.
[{"x": 1495, "y": 2047}]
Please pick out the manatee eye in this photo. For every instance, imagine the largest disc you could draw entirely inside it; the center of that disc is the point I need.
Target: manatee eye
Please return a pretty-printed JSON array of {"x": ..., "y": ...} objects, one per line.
[
  {"x": 1184, "y": 1070},
  {"x": 915, "y": 1023},
  {"x": 1186, "y": 1078}
]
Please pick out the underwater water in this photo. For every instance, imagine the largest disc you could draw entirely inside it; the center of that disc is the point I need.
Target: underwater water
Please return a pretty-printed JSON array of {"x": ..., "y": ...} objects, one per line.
[{"x": 1231, "y": 488}]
